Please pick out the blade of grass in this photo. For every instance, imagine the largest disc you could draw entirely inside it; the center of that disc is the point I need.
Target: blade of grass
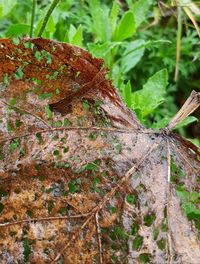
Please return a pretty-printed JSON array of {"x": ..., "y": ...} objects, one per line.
[
  {"x": 191, "y": 16},
  {"x": 32, "y": 18},
  {"x": 47, "y": 16},
  {"x": 178, "y": 42}
]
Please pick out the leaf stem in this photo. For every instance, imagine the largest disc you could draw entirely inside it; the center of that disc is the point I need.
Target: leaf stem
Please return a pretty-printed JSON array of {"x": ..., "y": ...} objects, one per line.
[
  {"x": 47, "y": 16},
  {"x": 32, "y": 18},
  {"x": 178, "y": 42}
]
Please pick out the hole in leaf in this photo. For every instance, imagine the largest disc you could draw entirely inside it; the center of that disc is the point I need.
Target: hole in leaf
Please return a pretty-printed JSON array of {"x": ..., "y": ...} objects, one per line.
[
  {"x": 130, "y": 198},
  {"x": 137, "y": 243},
  {"x": 161, "y": 244},
  {"x": 1, "y": 207},
  {"x": 27, "y": 250},
  {"x": 144, "y": 257},
  {"x": 149, "y": 219}
]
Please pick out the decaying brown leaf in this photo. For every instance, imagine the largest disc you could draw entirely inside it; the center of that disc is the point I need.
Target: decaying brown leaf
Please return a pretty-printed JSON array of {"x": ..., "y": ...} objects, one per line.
[{"x": 81, "y": 180}]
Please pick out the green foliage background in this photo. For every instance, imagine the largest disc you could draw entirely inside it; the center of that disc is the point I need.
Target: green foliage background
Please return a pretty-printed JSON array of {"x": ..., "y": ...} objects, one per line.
[{"x": 138, "y": 41}]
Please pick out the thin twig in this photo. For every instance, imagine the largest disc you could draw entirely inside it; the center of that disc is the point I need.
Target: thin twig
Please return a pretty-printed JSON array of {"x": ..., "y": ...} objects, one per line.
[
  {"x": 51, "y": 218},
  {"x": 32, "y": 18},
  {"x": 99, "y": 238},
  {"x": 47, "y": 16}
]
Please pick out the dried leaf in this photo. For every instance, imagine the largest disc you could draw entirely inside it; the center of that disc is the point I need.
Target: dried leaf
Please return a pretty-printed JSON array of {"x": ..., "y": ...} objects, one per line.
[{"x": 81, "y": 180}]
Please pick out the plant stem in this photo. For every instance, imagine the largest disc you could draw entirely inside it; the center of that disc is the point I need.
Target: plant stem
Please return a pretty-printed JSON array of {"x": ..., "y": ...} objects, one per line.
[
  {"x": 32, "y": 18},
  {"x": 47, "y": 16},
  {"x": 178, "y": 43}
]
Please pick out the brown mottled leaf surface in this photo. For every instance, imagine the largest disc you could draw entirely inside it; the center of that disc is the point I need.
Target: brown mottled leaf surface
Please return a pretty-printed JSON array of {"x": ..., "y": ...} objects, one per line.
[{"x": 81, "y": 180}]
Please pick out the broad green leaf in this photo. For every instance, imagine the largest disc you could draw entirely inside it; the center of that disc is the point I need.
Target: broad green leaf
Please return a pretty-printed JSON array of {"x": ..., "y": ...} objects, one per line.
[
  {"x": 78, "y": 37},
  {"x": 195, "y": 141},
  {"x": 113, "y": 15},
  {"x": 6, "y": 6},
  {"x": 118, "y": 77},
  {"x": 187, "y": 121},
  {"x": 75, "y": 35},
  {"x": 17, "y": 30},
  {"x": 72, "y": 32},
  {"x": 100, "y": 21},
  {"x": 129, "y": 3},
  {"x": 50, "y": 27},
  {"x": 152, "y": 94},
  {"x": 126, "y": 27},
  {"x": 128, "y": 94},
  {"x": 132, "y": 54},
  {"x": 140, "y": 9},
  {"x": 161, "y": 123},
  {"x": 101, "y": 50}
]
